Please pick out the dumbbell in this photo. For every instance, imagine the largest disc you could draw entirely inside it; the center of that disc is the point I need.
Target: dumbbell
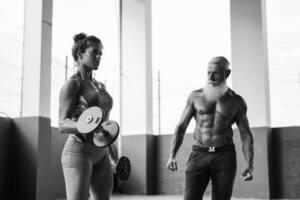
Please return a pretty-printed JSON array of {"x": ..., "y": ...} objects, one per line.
[
  {"x": 123, "y": 168},
  {"x": 91, "y": 121}
]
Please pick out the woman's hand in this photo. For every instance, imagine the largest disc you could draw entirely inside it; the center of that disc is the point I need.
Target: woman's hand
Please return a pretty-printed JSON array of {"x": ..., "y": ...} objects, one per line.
[
  {"x": 113, "y": 157},
  {"x": 114, "y": 165}
]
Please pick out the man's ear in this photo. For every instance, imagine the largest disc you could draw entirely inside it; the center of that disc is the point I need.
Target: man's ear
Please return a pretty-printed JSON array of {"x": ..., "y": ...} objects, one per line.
[{"x": 227, "y": 73}]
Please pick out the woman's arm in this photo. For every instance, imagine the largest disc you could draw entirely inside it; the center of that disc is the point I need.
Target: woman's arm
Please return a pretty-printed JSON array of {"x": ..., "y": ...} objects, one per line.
[
  {"x": 67, "y": 99},
  {"x": 112, "y": 154}
]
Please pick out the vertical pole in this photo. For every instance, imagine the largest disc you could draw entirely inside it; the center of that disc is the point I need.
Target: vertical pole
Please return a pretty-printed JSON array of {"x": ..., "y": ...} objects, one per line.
[
  {"x": 159, "y": 99},
  {"x": 66, "y": 68},
  {"x": 121, "y": 77}
]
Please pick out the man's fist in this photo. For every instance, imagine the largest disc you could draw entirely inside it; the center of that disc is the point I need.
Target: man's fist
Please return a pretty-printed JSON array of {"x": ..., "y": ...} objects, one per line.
[
  {"x": 247, "y": 175},
  {"x": 172, "y": 164}
]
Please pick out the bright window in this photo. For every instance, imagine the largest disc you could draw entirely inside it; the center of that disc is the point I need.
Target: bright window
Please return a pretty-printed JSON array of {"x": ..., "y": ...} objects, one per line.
[
  {"x": 94, "y": 17},
  {"x": 11, "y": 54},
  {"x": 186, "y": 35},
  {"x": 283, "y": 27}
]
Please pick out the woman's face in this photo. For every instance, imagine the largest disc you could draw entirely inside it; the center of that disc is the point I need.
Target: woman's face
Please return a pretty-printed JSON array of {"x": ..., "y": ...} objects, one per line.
[{"x": 92, "y": 56}]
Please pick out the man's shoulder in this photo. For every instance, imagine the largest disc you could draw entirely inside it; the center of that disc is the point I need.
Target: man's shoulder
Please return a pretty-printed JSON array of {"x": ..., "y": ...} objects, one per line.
[
  {"x": 237, "y": 98},
  {"x": 234, "y": 95},
  {"x": 194, "y": 96},
  {"x": 197, "y": 93}
]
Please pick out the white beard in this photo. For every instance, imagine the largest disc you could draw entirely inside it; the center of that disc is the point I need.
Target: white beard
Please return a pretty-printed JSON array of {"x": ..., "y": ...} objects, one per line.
[{"x": 213, "y": 93}]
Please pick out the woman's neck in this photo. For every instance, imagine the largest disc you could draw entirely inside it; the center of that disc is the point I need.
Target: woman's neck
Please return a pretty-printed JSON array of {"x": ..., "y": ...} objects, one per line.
[{"x": 84, "y": 73}]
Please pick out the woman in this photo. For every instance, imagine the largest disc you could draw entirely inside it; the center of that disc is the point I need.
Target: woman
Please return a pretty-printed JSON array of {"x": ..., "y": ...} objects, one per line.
[{"x": 87, "y": 169}]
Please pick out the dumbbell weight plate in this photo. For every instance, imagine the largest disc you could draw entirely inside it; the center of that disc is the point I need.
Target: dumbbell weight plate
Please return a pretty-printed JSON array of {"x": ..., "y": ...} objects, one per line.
[
  {"x": 123, "y": 168},
  {"x": 108, "y": 136},
  {"x": 89, "y": 120}
]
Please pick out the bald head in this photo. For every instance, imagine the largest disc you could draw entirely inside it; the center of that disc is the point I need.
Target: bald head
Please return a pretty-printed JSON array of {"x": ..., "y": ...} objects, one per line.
[{"x": 220, "y": 61}]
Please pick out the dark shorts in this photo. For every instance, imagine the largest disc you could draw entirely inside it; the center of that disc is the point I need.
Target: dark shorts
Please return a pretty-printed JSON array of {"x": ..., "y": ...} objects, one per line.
[{"x": 205, "y": 164}]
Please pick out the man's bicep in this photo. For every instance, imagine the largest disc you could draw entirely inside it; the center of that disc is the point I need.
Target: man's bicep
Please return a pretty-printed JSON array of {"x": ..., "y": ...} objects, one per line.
[
  {"x": 243, "y": 124},
  {"x": 187, "y": 114},
  {"x": 241, "y": 117}
]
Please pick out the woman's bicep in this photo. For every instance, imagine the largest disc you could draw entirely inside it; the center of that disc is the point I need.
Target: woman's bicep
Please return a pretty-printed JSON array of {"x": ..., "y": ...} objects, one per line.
[{"x": 67, "y": 99}]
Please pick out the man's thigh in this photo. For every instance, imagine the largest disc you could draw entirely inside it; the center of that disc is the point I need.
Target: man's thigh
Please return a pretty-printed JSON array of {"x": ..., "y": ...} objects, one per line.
[
  {"x": 197, "y": 176},
  {"x": 223, "y": 175}
]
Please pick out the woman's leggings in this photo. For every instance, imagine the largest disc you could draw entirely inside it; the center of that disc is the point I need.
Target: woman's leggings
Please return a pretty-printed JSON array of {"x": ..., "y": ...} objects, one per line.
[{"x": 87, "y": 171}]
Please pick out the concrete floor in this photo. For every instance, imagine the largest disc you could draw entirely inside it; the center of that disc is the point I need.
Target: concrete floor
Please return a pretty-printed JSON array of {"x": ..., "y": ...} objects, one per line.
[
  {"x": 163, "y": 197},
  {"x": 160, "y": 197}
]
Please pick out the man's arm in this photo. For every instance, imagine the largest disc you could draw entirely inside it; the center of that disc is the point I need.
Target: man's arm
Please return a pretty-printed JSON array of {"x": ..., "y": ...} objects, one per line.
[
  {"x": 246, "y": 138},
  {"x": 180, "y": 129}
]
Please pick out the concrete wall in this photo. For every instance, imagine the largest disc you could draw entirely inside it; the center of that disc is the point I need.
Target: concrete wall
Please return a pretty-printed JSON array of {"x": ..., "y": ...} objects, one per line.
[
  {"x": 19, "y": 158},
  {"x": 285, "y": 162},
  {"x": 57, "y": 180},
  {"x": 141, "y": 151},
  {"x": 5, "y": 141},
  {"x": 172, "y": 183},
  {"x": 276, "y": 153},
  {"x": 259, "y": 186},
  {"x": 31, "y": 160},
  {"x": 27, "y": 158}
]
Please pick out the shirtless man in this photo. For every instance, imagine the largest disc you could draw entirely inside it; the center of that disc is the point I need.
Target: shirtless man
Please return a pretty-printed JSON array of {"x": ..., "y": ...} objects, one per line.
[{"x": 215, "y": 108}]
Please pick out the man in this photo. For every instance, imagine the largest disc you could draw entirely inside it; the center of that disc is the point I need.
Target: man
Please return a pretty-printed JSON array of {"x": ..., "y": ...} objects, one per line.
[{"x": 215, "y": 108}]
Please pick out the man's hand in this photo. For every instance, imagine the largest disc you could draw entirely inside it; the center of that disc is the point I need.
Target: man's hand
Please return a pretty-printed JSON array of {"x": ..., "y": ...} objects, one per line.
[
  {"x": 247, "y": 174},
  {"x": 172, "y": 164}
]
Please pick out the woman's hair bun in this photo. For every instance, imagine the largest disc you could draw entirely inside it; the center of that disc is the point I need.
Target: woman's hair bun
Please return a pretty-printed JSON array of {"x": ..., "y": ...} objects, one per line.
[{"x": 79, "y": 36}]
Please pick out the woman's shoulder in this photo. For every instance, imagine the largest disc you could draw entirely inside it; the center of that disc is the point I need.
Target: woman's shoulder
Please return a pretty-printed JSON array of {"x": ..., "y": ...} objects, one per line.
[
  {"x": 100, "y": 85},
  {"x": 75, "y": 77},
  {"x": 72, "y": 83}
]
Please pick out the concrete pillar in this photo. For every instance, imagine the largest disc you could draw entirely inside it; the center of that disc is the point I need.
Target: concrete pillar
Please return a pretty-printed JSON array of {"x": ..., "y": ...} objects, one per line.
[
  {"x": 250, "y": 80},
  {"x": 37, "y": 58},
  {"x": 136, "y": 112},
  {"x": 32, "y": 131},
  {"x": 250, "y": 76},
  {"x": 136, "y": 67}
]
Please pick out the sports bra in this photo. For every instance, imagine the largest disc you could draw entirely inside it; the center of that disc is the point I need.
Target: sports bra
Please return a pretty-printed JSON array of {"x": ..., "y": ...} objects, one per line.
[{"x": 91, "y": 93}]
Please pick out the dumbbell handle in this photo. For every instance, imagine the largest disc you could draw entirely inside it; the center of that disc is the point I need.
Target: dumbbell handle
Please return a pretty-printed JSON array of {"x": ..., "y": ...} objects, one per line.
[{"x": 102, "y": 130}]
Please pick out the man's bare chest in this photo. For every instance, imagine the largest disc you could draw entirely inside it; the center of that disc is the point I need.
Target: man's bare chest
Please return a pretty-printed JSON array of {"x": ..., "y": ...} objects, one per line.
[{"x": 225, "y": 108}]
